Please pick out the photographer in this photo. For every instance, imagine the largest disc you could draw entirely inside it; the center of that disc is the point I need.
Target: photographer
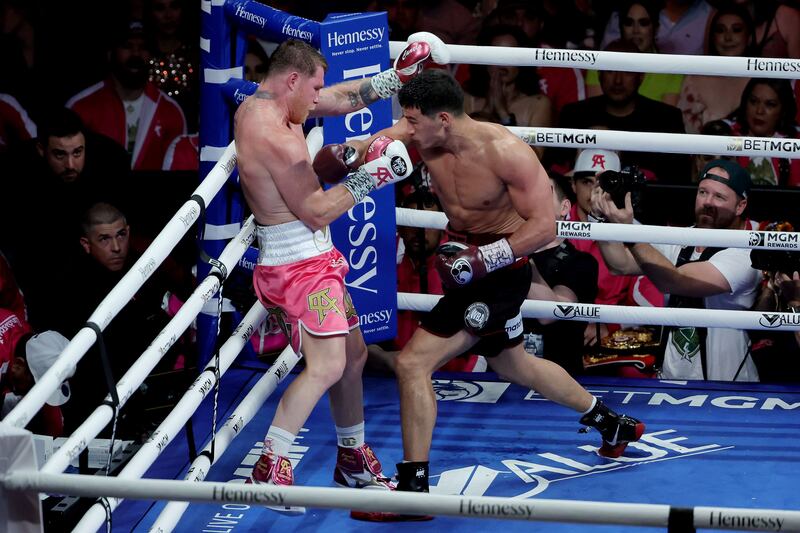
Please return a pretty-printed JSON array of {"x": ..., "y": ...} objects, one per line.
[
  {"x": 777, "y": 353},
  {"x": 696, "y": 277}
]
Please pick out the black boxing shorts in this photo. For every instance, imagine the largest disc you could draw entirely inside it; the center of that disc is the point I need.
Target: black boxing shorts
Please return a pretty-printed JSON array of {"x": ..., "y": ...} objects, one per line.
[{"x": 488, "y": 308}]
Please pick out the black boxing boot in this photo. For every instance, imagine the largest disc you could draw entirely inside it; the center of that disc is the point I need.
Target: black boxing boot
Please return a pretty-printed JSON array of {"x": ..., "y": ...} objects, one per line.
[{"x": 617, "y": 430}]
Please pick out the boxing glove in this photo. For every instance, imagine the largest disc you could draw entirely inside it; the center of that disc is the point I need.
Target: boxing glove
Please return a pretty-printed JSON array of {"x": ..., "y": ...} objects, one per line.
[
  {"x": 423, "y": 47},
  {"x": 334, "y": 161},
  {"x": 386, "y": 161},
  {"x": 460, "y": 264}
]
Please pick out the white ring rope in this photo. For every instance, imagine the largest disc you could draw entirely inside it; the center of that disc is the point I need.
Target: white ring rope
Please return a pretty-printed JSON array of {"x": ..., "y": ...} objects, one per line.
[
  {"x": 139, "y": 371},
  {"x": 653, "y": 515},
  {"x": 244, "y": 412},
  {"x": 122, "y": 293},
  {"x": 744, "y": 67},
  {"x": 673, "y": 143},
  {"x": 627, "y": 314},
  {"x": 565, "y": 229}
]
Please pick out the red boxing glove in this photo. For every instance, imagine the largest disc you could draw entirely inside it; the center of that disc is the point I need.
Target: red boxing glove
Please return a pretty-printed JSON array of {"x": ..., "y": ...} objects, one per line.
[
  {"x": 386, "y": 162},
  {"x": 333, "y": 162},
  {"x": 460, "y": 264},
  {"x": 423, "y": 47}
]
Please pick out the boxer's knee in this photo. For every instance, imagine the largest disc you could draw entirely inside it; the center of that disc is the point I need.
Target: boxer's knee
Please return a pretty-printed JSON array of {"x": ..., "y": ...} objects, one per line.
[{"x": 413, "y": 364}]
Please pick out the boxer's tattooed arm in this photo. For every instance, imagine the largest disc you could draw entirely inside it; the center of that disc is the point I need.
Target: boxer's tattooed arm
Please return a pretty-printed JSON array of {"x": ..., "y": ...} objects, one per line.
[
  {"x": 353, "y": 96},
  {"x": 367, "y": 93}
]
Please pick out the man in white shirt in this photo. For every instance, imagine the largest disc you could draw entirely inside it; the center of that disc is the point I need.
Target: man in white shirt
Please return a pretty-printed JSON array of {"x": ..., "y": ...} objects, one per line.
[{"x": 697, "y": 277}]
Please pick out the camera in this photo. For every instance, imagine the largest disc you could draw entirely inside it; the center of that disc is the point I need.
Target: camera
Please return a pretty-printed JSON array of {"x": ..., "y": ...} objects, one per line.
[
  {"x": 785, "y": 261},
  {"x": 628, "y": 180}
]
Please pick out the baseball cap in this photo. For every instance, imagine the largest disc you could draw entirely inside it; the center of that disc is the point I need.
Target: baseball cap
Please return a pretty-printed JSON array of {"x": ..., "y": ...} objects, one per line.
[
  {"x": 738, "y": 180},
  {"x": 592, "y": 161},
  {"x": 41, "y": 351}
]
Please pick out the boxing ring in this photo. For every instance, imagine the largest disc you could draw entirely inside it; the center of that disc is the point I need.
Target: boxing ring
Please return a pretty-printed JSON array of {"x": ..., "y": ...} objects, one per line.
[{"x": 499, "y": 451}]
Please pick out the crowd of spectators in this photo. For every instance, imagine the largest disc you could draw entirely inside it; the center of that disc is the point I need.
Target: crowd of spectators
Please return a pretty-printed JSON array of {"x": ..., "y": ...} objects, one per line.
[{"x": 85, "y": 108}]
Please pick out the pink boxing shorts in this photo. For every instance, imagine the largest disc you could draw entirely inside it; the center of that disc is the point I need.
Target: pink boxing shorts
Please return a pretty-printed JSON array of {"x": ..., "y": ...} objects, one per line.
[{"x": 301, "y": 272}]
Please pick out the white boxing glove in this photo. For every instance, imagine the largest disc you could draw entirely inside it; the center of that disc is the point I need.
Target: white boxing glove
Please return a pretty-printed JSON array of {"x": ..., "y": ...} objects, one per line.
[{"x": 423, "y": 48}]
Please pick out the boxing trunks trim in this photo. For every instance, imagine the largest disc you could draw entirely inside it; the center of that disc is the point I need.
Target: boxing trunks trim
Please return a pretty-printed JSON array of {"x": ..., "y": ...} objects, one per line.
[
  {"x": 289, "y": 242},
  {"x": 301, "y": 272}
]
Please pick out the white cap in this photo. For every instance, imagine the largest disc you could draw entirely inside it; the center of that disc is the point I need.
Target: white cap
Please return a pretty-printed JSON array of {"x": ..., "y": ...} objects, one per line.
[
  {"x": 592, "y": 161},
  {"x": 41, "y": 351}
]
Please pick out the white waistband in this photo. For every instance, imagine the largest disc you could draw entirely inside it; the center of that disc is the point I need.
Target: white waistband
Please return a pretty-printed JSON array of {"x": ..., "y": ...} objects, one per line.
[{"x": 289, "y": 242}]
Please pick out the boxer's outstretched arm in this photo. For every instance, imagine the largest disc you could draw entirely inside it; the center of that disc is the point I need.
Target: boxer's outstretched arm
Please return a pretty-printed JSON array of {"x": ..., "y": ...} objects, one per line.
[
  {"x": 529, "y": 190},
  {"x": 345, "y": 97},
  {"x": 399, "y": 132}
]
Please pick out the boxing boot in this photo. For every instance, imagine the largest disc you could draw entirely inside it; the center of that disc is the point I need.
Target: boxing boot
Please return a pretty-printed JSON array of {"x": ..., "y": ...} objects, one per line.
[
  {"x": 616, "y": 430},
  {"x": 411, "y": 477},
  {"x": 359, "y": 468},
  {"x": 273, "y": 469}
]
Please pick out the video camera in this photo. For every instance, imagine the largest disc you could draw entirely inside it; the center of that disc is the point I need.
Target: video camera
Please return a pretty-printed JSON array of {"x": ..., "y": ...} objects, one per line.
[
  {"x": 785, "y": 261},
  {"x": 617, "y": 184}
]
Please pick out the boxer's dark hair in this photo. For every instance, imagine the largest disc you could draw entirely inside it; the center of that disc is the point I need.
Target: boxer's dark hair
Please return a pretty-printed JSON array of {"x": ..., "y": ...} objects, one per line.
[
  {"x": 296, "y": 55},
  {"x": 562, "y": 186},
  {"x": 433, "y": 91}
]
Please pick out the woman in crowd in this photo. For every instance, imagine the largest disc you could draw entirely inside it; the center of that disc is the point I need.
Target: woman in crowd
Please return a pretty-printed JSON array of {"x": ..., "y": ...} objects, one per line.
[
  {"x": 768, "y": 109},
  {"x": 706, "y": 98},
  {"x": 504, "y": 94},
  {"x": 638, "y": 23}
]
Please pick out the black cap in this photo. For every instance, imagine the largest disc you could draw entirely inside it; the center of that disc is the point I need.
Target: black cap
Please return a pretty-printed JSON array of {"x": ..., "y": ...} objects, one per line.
[{"x": 738, "y": 178}]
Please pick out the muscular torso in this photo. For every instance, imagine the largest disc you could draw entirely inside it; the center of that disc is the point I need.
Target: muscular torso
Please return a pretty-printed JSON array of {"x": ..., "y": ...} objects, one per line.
[
  {"x": 260, "y": 130},
  {"x": 472, "y": 193}
]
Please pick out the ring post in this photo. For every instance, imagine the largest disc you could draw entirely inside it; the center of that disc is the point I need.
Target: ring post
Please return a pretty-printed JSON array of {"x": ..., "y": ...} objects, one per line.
[{"x": 357, "y": 46}]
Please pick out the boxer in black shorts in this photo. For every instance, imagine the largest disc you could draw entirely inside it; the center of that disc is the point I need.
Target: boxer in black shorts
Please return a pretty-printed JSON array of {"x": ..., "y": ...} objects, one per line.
[{"x": 498, "y": 201}]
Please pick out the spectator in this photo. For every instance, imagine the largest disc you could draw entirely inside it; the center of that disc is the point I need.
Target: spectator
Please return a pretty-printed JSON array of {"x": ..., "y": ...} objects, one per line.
[
  {"x": 65, "y": 169},
  {"x": 24, "y": 358},
  {"x": 15, "y": 125},
  {"x": 174, "y": 57},
  {"x": 620, "y": 107},
  {"x": 696, "y": 277},
  {"x": 714, "y": 127},
  {"x": 611, "y": 289},
  {"x": 128, "y": 108},
  {"x": 256, "y": 61},
  {"x": 767, "y": 109},
  {"x": 777, "y": 353},
  {"x": 507, "y": 95},
  {"x": 183, "y": 153},
  {"x": 450, "y": 20},
  {"x": 108, "y": 256},
  {"x": 564, "y": 274},
  {"x": 681, "y": 27},
  {"x": 707, "y": 98},
  {"x": 639, "y": 26},
  {"x": 11, "y": 298},
  {"x": 777, "y": 28},
  {"x": 561, "y": 85}
]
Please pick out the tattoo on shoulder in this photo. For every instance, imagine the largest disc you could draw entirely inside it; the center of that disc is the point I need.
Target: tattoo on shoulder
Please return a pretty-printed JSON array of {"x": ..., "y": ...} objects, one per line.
[
  {"x": 367, "y": 93},
  {"x": 264, "y": 95}
]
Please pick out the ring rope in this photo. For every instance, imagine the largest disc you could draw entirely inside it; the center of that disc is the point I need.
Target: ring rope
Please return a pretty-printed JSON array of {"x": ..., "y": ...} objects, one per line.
[
  {"x": 122, "y": 293},
  {"x": 606, "y": 231},
  {"x": 191, "y": 400},
  {"x": 627, "y": 314},
  {"x": 137, "y": 373},
  {"x": 653, "y": 515},
  {"x": 242, "y": 415},
  {"x": 743, "y": 67},
  {"x": 673, "y": 143}
]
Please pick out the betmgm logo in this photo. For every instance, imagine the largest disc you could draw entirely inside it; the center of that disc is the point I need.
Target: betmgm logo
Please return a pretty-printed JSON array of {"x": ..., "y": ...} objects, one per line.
[
  {"x": 735, "y": 144},
  {"x": 786, "y": 240}
]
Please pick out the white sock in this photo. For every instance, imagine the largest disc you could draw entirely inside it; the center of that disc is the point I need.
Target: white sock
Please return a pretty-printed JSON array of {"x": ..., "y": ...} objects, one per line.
[
  {"x": 594, "y": 402},
  {"x": 278, "y": 441},
  {"x": 350, "y": 437}
]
